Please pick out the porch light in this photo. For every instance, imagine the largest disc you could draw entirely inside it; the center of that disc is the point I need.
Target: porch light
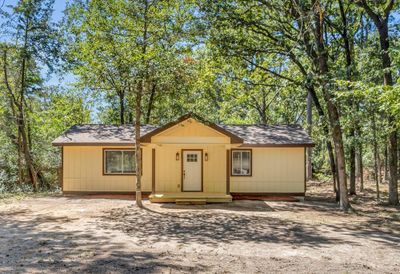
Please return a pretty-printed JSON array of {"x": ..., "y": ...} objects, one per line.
[
  {"x": 177, "y": 156},
  {"x": 206, "y": 156}
]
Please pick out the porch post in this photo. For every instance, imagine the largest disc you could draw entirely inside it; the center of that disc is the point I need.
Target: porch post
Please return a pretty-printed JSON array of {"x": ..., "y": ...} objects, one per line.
[
  {"x": 153, "y": 171},
  {"x": 228, "y": 175}
]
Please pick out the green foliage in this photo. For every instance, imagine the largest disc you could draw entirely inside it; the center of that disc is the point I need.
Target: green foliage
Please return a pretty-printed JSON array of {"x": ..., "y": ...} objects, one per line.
[
  {"x": 31, "y": 113},
  {"x": 114, "y": 45},
  {"x": 230, "y": 61}
]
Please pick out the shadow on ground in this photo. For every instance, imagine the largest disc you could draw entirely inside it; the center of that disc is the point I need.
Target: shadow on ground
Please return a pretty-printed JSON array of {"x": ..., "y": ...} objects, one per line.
[
  {"x": 213, "y": 227},
  {"x": 25, "y": 246},
  {"x": 83, "y": 239},
  {"x": 187, "y": 224}
]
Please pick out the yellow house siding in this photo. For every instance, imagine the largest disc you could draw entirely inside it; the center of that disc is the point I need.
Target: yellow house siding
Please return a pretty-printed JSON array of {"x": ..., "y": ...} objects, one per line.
[
  {"x": 169, "y": 170},
  {"x": 83, "y": 171},
  {"x": 190, "y": 132},
  {"x": 275, "y": 170},
  {"x": 215, "y": 169}
]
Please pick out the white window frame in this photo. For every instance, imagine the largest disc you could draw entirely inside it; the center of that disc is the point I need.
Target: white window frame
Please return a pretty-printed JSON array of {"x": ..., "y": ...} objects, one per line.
[
  {"x": 250, "y": 159},
  {"x": 122, "y": 162}
]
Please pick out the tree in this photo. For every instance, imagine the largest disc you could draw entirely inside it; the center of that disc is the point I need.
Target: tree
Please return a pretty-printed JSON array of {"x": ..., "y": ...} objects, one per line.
[
  {"x": 293, "y": 31},
  {"x": 30, "y": 28},
  {"x": 381, "y": 21},
  {"x": 138, "y": 41}
]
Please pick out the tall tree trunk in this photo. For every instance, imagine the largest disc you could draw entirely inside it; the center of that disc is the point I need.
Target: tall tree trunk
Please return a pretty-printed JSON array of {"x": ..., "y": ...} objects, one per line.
[
  {"x": 381, "y": 23},
  {"x": 339, "y": 151},
  {"x": 329, "y": 146},
  {"x": 379, "y": 162},
  {"x": 359, "y": 153},
  {"x": 360, "y": 166},
  {"x": 376, "y": 156},
  {"x": 262, "y": 110},
  {"x": 151, "y": 102},
  {"x": 121, "y": 96},
  {"x": 393, "y": 186},
  {"x": 398, "y": 157},
  {"x": 309, "y": 129},
  {"x": 138, "y": 107},
  {"x": 28, "y": 158},
  {"x": 138, "y": 151},
  {"x": 363, "y": 39},
  {"x": 352, "y": 156},
  {"x": 386, "y": 175},
  {"x": 29, "y": 133},
  {"x": 18, "y": 110},
  {"x": 388, "y": 81},
  {"x": 349, "y": 74},
  {"x": 311, "y": 89},
  {"x": 21, "y": 115},
  {"x": 21, "y": 176},
  {"x": 333, "y": 112}
]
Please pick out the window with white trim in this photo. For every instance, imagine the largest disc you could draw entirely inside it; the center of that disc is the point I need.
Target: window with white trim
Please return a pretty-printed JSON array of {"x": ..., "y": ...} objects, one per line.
[
  {"x": 119, "y": 161},
  {"x": 241, "y": 162}
]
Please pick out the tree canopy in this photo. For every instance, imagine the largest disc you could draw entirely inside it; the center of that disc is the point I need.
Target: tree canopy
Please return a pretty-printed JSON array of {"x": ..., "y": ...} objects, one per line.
[{"x": 330, "y": 66}]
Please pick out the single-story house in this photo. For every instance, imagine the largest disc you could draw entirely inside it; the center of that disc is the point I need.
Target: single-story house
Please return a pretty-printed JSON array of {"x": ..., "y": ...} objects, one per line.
[{"x": 189, "y": 158}]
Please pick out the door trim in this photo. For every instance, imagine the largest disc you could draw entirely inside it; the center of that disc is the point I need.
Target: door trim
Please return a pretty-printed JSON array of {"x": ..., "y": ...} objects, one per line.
[{"x": 201, "y": 159}]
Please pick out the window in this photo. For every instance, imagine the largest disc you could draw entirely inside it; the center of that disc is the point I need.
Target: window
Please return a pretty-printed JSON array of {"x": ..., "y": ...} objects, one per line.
[
  {"x": 191, "y": 158},
  {"x": 241, "y": 162},
  {"x": 119, "y": 161}
]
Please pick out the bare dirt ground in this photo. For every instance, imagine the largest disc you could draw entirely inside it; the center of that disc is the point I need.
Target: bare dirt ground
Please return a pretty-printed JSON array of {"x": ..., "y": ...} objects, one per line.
[{"x": 73, "y": 234}]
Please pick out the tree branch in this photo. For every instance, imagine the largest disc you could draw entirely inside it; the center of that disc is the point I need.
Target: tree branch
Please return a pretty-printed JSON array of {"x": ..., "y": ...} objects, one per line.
[{"x": 375, "y": 17}]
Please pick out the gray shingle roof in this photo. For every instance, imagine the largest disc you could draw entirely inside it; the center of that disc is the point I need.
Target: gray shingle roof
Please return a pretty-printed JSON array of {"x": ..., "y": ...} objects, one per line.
[
  {"x": 289, "y": 135},
  {"x": 270, "y": 135},
  {"x": 101, "y": 134}
]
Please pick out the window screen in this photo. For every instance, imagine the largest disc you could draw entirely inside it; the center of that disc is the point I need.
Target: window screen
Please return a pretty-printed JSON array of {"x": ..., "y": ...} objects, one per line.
[
  {"x": 119, "y": 162},
  {"x": 241, "y": 162}
]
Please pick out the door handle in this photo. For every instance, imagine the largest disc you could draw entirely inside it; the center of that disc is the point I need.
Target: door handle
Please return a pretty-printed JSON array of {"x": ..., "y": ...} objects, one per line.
[{"x": 184, "y": 174}]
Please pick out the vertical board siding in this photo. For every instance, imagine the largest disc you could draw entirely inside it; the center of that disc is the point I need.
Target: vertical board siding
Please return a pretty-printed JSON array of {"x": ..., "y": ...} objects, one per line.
[
  {"x": 190, "y": 132},
  {"x": 61, "y": 178},
  {"x": 83, "y": 171},
  {"x": 274, "y": 170},
  {"x": 168, "y": 171},
  {"x": 228, "y": 171},
  {"x": 153, "y": 170}
]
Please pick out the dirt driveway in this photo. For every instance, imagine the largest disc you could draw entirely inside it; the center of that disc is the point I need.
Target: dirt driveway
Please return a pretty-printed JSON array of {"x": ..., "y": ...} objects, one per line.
[{"x": 75, "y": 234}]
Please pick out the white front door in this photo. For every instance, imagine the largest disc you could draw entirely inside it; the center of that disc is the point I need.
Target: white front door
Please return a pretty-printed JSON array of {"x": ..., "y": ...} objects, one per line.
[{"x": 192, "y": 170}]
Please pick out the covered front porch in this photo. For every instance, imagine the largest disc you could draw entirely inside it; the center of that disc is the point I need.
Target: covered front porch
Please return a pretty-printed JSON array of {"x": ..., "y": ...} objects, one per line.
[
  {"x": 190, "y": 174},
  {"x": 190, "y": 162}
]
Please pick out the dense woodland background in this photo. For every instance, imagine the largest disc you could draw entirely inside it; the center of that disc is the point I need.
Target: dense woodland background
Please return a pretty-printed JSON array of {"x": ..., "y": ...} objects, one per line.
[{"x": 330, "y": 66}]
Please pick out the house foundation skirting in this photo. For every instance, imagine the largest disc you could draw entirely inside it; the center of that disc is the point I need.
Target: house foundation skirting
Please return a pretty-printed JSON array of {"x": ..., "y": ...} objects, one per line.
[
  {"x": 145, "y": 194},
  {"x": 283, "y": 194},
  {"x": 208, "y": 197}
]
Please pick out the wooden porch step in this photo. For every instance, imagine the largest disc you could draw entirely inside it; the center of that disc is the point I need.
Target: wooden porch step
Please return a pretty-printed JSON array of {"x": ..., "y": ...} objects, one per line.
[
  {"x": 183, "y": 197},
  {"x": 190, "y": 201}
]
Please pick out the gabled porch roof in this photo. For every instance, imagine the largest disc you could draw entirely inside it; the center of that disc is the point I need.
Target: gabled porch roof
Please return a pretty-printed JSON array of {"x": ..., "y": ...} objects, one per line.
[{"x": 234, "y": 139}]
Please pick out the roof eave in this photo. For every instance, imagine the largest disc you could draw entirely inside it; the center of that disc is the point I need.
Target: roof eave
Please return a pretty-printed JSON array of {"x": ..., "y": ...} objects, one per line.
[
  {"x": 278, "y": 145},
  {"x": 59, "y": 144}
]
